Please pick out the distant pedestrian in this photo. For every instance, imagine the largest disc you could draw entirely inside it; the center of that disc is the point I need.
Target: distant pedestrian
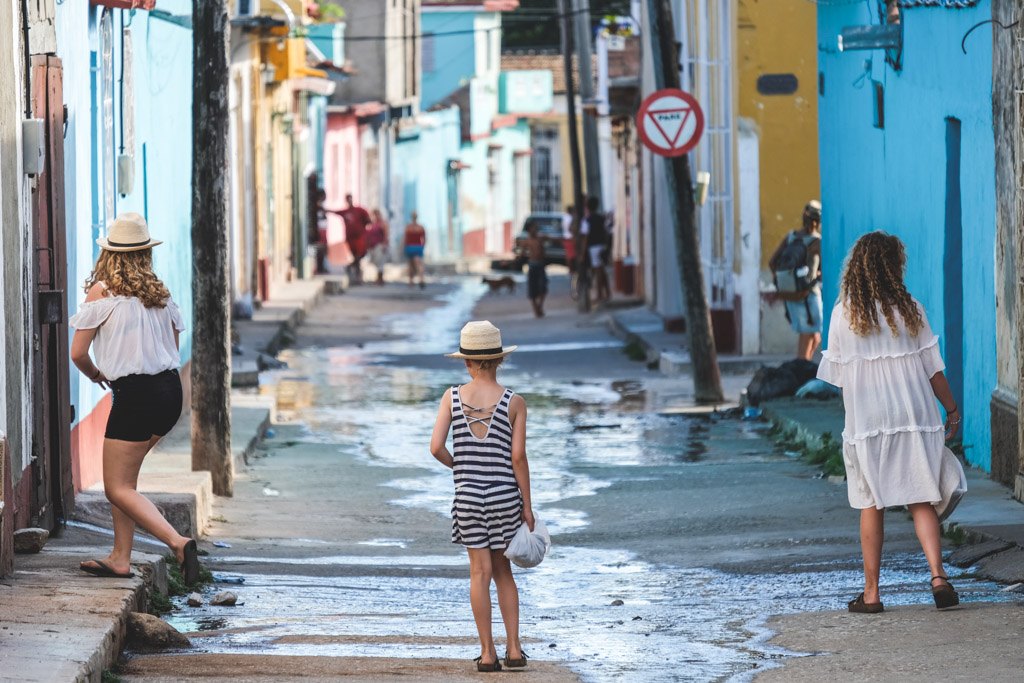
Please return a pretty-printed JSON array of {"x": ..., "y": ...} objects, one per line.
[
  {"x": 570, "y": 228},
  {"x": 882, "y": 352},
  {"x": 796, "y": 265},
  {"x": 132, "y": 324},
  {"x": 414, "y": 243},
  {"x": 377, "y": 244},
  {"x": 319, "y": 235},
  {"x": 357, "y": 220},
  {"x": 537, "y": 278},
  {"x": 598, "y": 241},
  {"x": 492, "y": 482}
]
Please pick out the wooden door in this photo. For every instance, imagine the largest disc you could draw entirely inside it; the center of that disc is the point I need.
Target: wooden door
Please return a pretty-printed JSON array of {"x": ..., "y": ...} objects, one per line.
[{"x": 53, "y": 490}]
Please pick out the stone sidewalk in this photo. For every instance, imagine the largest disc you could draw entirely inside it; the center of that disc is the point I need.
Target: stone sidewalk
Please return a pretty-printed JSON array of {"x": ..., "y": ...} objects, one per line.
[{"x": 59, "y": 624}]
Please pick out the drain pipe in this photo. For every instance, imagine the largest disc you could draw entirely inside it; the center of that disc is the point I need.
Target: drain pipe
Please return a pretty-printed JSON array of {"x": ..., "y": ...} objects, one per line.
[{"x": 28, "y": 59}]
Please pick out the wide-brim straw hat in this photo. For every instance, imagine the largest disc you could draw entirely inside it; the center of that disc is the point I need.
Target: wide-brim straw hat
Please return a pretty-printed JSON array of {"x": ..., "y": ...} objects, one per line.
[
  {"x": 480, "y": 340},
  {"x": 128, "y": 232}
]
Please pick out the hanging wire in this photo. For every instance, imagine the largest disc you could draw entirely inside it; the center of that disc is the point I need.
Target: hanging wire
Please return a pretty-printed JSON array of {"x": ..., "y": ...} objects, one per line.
[{"x": 963, "y": 41}]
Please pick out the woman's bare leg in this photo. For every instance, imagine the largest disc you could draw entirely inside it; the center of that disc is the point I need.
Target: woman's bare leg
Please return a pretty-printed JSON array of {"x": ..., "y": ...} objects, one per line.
[
  {"x": 872, "y": 533},
  {"x": 480, "y": 574},
  {"x": 929, "y": 533},
  {"x": 121, "y": 463},
  {"x": 508, "y": 602}
]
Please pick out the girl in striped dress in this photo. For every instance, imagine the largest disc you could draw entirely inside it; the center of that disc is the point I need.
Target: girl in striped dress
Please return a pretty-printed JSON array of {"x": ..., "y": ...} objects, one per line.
[{"x": 492, "y": 482}]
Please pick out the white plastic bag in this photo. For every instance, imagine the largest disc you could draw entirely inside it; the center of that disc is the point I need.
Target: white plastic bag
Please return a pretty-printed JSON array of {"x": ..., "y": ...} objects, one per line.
[{"x": 528, "y": 548}]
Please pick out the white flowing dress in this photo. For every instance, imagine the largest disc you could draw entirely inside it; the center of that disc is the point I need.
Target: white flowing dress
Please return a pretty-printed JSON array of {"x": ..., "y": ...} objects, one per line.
[{"x": 893, "y": 441}]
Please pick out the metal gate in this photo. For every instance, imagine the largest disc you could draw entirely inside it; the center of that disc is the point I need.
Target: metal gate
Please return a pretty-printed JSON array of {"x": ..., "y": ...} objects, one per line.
[
  {"x": 707, "y": 39},
  {"x": 51, "y": 443}
]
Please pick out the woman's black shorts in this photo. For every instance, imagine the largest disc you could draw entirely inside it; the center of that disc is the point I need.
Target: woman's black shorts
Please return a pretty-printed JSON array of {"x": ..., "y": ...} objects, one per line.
[{"x": 144, "y": 406}]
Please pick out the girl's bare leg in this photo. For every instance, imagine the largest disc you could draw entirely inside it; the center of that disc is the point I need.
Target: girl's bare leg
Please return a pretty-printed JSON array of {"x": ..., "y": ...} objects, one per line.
[
  {"x": 929, "y": 533},
  {"x": 121, "y": 463},
  {"x": 508, "y": 602},
  {"x": 480, "y": 574},
  {"x": 872, "y": 533}
]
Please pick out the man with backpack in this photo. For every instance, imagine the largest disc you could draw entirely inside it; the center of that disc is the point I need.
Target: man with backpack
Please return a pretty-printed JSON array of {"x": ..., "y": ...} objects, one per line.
[{"x": 796, "y": 267}]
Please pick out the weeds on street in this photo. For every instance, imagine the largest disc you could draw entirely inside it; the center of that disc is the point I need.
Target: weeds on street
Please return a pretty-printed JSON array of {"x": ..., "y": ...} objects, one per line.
[
  {"x": 634, "y": 350},
  {"x": 955, "y": 534}
]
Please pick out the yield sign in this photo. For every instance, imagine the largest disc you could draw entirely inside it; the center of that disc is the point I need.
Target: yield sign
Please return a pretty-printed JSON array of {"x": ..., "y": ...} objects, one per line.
[{"x": 670, "y": 122}]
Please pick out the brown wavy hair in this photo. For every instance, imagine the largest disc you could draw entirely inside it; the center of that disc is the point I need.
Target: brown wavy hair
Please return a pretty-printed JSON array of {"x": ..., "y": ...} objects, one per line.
[
  {"x": 130, "y": 273},
  {"x": 873, "y": 275}
]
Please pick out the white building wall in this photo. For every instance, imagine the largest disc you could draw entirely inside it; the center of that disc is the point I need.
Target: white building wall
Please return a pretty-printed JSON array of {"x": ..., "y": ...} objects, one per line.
[{"x": 661, "y": 262}]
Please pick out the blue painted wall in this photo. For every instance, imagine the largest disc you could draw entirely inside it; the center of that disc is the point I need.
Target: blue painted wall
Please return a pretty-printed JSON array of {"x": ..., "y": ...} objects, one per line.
[
  {"x": 454, "y": 56},
  {"x": 895, "y": 178},
  {"x": 162, "y": 71},
  {"x": 423, "y": 158}
]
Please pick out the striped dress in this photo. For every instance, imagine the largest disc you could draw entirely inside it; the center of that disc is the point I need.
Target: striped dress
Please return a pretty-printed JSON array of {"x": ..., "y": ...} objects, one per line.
[{"x": 488, "y": 506}]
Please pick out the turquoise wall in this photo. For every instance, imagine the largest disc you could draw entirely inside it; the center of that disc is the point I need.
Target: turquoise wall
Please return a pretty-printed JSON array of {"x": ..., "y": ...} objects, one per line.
[
  {"x": 423, "y": 155},
  {"x": 162, "y": 71},
  {"x": 454, "y": 56},
  {"x": 895, "y": 178}
]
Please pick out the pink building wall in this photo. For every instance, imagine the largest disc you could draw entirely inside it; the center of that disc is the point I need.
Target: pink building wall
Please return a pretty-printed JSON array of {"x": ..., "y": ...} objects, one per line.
[{"x": 342, "y": 154}]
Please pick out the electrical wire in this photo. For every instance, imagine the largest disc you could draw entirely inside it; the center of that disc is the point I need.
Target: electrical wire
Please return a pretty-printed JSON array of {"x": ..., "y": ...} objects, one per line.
[{"x": 963, "y": 41}]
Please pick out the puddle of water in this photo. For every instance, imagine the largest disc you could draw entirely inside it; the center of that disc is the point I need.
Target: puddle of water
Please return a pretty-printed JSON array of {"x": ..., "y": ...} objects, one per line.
[{"x": 673, "y": 623}]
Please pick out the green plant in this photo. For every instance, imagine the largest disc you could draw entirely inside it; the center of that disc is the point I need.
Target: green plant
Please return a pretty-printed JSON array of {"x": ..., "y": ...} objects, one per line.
[
  {"x": 829, "y": 455},
  {"x": 955, "y": 534},
  {"x": 634, "y": 350},
  {"x": 159, "y": 604},
  {"x": 330, "y": 11},
  {"x": 110, "y": 677}
]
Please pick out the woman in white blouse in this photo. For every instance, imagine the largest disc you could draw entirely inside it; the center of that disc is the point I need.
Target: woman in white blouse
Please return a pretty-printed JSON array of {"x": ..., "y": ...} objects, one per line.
[
  {"x": 883, "y": 354},
  {"x": 132, "y": 325}
]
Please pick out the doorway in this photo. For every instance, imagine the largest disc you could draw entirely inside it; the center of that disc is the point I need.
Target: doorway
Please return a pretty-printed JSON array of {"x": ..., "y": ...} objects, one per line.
[
  {"x": 51, "y": 443},
  {"x": 953, "y": 265}
]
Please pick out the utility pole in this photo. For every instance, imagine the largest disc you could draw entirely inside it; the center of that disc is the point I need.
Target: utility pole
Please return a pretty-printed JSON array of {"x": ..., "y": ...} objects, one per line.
[
  {"x": 570, "y": 101},
  {"x": 211, "y": 314},
  {"x": 707, "y": 380},
  {"x": 583, "y": 303},
  {"x": 591, "y": 151}
]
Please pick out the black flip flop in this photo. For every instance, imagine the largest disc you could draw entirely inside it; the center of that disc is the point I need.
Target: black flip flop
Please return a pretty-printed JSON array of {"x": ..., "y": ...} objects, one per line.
[
  {"x": 103, "y": 570},
  {"x": 489, "y": 667},
  {"x": 190, "y": 565}
]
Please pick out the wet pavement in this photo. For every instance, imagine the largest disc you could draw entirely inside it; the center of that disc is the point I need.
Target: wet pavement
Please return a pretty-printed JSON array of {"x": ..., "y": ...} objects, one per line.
[{"x": 676, "y": 533}]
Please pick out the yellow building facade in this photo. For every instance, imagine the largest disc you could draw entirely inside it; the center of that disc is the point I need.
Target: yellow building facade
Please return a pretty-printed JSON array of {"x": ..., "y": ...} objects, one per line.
[{"x": 776, "y": 55}]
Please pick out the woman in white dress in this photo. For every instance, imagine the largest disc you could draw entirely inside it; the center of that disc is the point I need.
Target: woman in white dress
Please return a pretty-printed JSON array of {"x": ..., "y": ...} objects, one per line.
[{"x": 883, "y": 354}]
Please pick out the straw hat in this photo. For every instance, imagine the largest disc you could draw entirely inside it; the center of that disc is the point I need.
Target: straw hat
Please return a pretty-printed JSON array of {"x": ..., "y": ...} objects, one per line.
[
  {"x": 480, "y": 340},
  {"x": 128, "y": 232}
]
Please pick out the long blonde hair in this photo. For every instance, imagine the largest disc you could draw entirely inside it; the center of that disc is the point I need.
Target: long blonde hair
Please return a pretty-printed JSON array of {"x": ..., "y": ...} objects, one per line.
[
  {"x": 874, "y": 275},
  {"x": 129, "y": 273}
]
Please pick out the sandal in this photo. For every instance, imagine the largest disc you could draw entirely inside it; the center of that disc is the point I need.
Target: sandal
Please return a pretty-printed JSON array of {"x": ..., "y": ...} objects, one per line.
[
  {"x": 103, "y": 570},
  {"x": 515, "y": 663},
  {"x": 190, "y": 565},
  {"x": 489, "y": 666},
  {"x": 858, "y": 606},
  {"x": 944, "y": 594}
]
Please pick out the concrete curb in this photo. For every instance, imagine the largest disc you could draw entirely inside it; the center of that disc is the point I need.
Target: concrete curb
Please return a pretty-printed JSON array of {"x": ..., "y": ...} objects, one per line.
[
  {"x": 47, "y": 634},
  {"x": 677, "y": 362}
]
